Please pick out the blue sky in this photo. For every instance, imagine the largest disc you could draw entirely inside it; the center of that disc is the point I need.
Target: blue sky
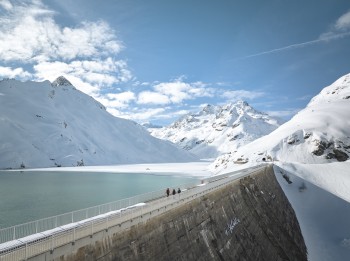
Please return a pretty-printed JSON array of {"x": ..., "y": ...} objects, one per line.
[{"x": 156, "y": 60}]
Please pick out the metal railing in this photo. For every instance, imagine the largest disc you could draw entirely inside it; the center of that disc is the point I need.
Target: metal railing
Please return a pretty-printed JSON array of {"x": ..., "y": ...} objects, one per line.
[
  {"x": 56, "y": 231},
  {"x": 37, "y": 226}
]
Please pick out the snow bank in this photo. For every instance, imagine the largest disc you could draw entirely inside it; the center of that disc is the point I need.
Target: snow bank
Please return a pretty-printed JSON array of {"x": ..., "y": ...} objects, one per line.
[
  {"x": 332, "y": 177},
  {"x": 323, "y": 217}
]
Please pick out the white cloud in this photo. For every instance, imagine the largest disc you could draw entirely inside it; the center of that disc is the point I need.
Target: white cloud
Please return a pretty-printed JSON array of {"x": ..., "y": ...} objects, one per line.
[
  {"x": 29, "y": 33},
  {"x": 117, "y": 100},
  {"x": 6, "y": 4},
  {"x": 241, "y": 95},
  {"x": 148, "y": 97},
  {"x": 181, "y": 112},
  {"x": 140, "y": 114},
  {"x": 343, "y": 22},
  {"x": 93, "y": 75},
  {"x": 8, "y": 72},
  {"x": 284, "y": 113},
  {"x": 178, "y": 91},
  {"x": 85, "y": 54},
  {"x": 124, "y": 97}
]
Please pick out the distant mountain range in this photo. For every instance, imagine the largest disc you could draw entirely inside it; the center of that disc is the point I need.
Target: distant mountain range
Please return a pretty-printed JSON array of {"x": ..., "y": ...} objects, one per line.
[
  {"x": 320, "y": 133},
  {"x": 218, "y": 129},
  {"x": 44, "y": 125}
]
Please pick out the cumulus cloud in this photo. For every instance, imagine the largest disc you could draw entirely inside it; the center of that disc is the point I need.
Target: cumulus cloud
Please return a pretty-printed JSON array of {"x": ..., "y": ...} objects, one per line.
[
  {"x": 8, "y": 72},
  {"x": 29, "y": 33},
  {"x": 84, "y": 53},
  {"x": 114, "y": 101},
  {"x": 148, "y": 97},
  {"x": 94, "y": 74},
  {"x": 140, "y": 114},
  {"x": 6, "y": 4},
  {"x": 175, "y": 92}
]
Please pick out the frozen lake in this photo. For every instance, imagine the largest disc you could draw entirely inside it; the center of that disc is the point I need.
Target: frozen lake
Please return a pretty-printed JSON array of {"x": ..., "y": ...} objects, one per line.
[{"x": 30, "y": 195}]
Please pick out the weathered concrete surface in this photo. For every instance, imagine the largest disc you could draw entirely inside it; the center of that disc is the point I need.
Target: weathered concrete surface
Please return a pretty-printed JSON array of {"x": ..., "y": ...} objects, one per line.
[{"x": 250, "y": 219}]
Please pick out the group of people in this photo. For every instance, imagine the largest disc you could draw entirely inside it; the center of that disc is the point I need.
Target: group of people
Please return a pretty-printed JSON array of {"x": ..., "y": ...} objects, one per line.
[{"x": 174, "y": 191}]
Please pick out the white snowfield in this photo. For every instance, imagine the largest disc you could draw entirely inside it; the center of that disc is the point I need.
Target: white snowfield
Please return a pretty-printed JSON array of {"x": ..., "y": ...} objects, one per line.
[
  {"x": 188, "y": 169},
  {"x": 217, "y": 129},
  {"x": 332, "y": 177},
  {"x": 319, "y": 195},
  {"x": 311, "y": 157},
  {"x": 47, "y": 125}
]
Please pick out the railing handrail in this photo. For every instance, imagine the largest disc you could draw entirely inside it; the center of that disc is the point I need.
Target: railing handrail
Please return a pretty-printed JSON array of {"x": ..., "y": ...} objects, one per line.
[
  {"x": 24, "y": 249},
  {"x": 89, "y": 208}
]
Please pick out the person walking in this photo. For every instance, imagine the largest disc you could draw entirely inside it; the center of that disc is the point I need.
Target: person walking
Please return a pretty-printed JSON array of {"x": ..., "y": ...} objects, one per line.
[
  {"x": 174, "y": 192},
  {"x": 167, "y": 192},
  {"x": 179, "y": 191}
]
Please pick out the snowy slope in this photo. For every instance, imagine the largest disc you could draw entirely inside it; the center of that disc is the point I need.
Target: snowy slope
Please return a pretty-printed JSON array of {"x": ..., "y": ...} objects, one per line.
[
  {"x": 217, "y": 129},
  {"x": 44, "y": 124},
  {"x": 318, "y": 134},
  {"x": 320, "y": 196}
]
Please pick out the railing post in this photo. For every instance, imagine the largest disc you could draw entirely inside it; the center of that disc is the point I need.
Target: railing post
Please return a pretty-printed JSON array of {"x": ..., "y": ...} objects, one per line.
[
  {"x": 36, "y": 227},
  {"x": 14, "y": 232},
  {"x": 52, "y": 243}
]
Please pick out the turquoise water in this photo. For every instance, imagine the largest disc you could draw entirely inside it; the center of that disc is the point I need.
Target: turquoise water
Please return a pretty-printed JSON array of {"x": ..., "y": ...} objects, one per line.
[{"x": 28, "y": 196}]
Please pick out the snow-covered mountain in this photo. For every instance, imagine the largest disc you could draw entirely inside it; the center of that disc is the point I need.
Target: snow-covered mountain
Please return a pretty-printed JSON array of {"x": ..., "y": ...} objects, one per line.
[
  {"x": 218, "y": 129},
  {"x": 320, "y": 133},
  {"x": 44, "y": 124}
]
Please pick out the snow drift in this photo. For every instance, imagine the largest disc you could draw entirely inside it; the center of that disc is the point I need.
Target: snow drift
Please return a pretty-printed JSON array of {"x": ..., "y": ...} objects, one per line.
[{"x": 44, "y": 125}]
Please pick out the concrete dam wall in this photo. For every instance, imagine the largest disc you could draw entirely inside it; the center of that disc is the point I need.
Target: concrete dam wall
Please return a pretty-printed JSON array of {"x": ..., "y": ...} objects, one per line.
[{"x": 249, "y": 219}]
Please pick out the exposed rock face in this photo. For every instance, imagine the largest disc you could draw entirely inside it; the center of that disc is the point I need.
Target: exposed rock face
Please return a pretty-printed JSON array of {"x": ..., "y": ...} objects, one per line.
[
  {"x": 61, "y": 81},
  {"x": 250, "y": 219},
  {"x": 331, "y": 150}
]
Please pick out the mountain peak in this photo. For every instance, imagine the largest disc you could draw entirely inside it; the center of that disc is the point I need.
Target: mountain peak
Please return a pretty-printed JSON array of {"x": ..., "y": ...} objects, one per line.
[
  {"x": 61, "y": 81},
  {"x": 217, "y": 129}
]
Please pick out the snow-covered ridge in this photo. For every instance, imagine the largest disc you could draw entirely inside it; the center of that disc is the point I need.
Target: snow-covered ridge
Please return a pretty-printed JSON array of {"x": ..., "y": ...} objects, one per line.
[
  {"x": 318, "y": 134},
  {"x": 218, "y": 129},
  {"x": 44, "y": 125}
]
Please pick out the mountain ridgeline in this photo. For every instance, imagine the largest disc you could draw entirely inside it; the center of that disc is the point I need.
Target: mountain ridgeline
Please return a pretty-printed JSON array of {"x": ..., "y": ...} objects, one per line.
[
  {"x": 320, "y": 133},
  {"x": 46, "y": 125},
  {"x": 218, "y": 129}
]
